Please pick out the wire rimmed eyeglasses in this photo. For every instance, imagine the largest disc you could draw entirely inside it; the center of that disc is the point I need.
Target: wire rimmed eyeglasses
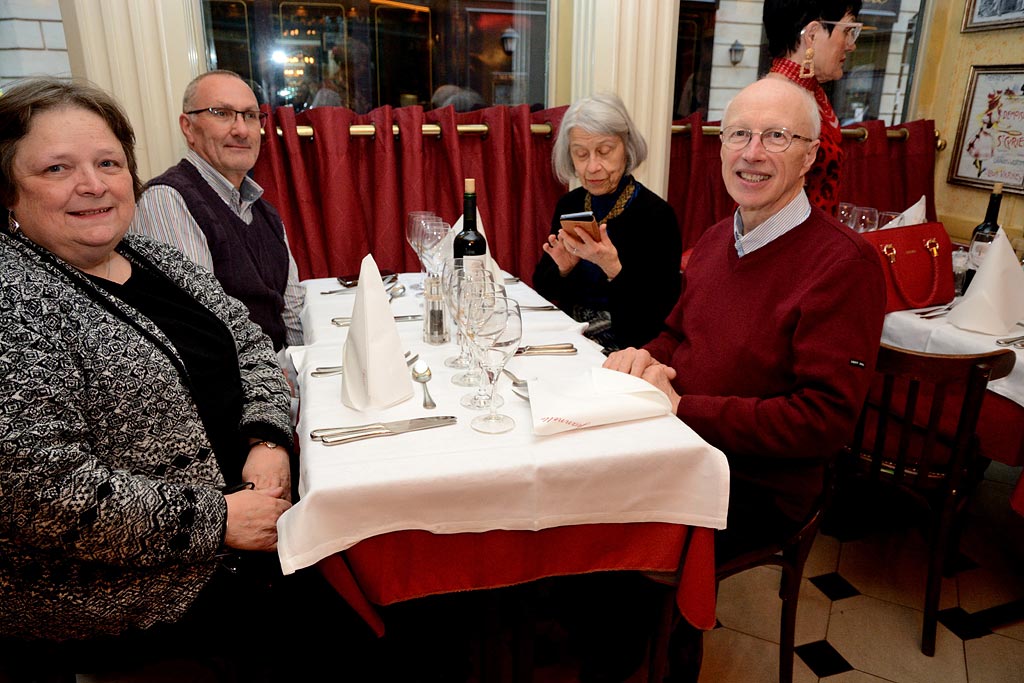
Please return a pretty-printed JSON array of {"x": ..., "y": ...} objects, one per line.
[
  {"x": 225, "y": 115},
  {"x": 772, "y": 139},
  {"x": 851, "y": 29}
]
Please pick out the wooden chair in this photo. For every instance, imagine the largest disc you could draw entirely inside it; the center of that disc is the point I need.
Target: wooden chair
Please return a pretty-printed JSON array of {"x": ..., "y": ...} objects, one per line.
[
  {"x": 790, "y": 556},
  {"x": 916, "y": 435}
]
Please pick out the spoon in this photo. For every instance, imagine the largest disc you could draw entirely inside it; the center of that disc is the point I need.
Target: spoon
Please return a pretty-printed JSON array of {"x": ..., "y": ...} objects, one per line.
[
  {"x": 421, "y": 373},
  {"x": 396, "y": 291}
]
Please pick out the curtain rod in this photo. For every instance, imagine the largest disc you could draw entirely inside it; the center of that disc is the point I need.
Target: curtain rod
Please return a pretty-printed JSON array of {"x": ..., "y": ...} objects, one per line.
[{"x": 369, "y": 130}]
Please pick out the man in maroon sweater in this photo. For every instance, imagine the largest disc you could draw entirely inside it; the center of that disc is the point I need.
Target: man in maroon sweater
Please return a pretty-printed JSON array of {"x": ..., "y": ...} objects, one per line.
[{"x": 770, "y": 350}]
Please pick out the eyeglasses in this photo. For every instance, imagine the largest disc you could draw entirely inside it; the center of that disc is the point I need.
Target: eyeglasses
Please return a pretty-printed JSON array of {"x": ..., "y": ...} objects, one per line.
[
  {"x": 227, "y": 116},
  {"x": 851, "y": 29},
  {"x": 773, "y": 139}
]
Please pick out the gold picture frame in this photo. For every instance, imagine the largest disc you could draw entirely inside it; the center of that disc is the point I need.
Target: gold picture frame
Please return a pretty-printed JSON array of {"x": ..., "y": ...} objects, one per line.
[
  {"x": 989, "y": 145},
  {"x": 990, "y": 15}
]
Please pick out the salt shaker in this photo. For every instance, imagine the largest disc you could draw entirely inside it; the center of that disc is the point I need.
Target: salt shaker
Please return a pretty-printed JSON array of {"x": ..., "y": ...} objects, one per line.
[{"x": 435, "y": 324}]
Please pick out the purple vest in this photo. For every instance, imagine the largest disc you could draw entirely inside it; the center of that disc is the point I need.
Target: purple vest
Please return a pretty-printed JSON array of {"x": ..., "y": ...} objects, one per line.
[{"x": 250, "y": 261}]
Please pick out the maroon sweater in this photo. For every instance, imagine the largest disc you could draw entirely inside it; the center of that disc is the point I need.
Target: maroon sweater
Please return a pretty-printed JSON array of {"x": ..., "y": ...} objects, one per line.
[{"x": 775, "y": 351}]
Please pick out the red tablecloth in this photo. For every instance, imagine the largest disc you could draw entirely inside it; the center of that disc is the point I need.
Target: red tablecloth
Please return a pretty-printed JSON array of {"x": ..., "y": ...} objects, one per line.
[{"x": 411, "y": 564}]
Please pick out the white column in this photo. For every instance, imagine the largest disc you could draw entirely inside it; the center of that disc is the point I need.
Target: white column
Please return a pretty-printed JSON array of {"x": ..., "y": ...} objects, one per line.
[
  {"x": 629, "y": 47},
  {"x": 144, "y": 53}
]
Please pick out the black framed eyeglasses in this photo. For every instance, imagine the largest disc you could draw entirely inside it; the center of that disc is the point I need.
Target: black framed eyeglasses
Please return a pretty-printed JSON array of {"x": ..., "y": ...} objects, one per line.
[
  {"x": 772, "y": 139},
  {"x": 227, "y": 116}
]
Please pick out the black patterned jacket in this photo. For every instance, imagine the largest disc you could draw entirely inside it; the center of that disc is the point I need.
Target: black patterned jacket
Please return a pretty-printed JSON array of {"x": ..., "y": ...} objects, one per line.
[{"x": 110, "y": 513}]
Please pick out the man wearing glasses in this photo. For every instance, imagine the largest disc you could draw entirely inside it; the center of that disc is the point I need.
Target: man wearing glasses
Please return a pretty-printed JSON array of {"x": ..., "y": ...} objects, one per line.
[
  {"x": 769, "y": 352},
  {"x": 209, "y": 208}
]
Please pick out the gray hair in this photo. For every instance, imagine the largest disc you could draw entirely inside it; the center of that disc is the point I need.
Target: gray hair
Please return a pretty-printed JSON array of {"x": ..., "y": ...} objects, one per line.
[
  {"x": 601, "y": 114},
  {"x": 803, "y": 97},
  {"x": 188, "y": 99}
]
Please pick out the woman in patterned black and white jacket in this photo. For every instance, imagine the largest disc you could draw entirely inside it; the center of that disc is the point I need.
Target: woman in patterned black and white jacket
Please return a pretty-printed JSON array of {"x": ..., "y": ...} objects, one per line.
[{"x": 135, "y": 397}]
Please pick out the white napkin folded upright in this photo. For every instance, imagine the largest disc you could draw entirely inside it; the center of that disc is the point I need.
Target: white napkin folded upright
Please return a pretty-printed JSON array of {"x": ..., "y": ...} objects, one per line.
[
  {"x": 915, "y": 215},
  {"x": 375, "y": 373},
  {"x": 449, "y": 247},
  {"x": 994, "y": 301},
  {"x": 600, "y": 396}
]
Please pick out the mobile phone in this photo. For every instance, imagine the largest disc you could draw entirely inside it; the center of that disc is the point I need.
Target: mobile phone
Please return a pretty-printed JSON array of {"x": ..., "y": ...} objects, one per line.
[{"x": 583, "y": 219}]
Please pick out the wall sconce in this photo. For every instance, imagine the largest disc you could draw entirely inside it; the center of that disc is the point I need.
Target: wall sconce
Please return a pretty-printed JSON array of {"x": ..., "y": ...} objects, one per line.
[
  {"x": 509, "y": 39},
  {"x": 736, "y": 53}
]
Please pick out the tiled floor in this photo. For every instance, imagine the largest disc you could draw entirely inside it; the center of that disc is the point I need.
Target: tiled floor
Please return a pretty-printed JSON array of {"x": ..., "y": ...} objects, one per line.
[{"x": 860, "y": 610}]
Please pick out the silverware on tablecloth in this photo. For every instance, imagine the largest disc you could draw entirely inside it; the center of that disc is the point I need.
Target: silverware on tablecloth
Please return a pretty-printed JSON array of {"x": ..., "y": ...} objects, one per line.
[
  {"x": 936, "y": 312},
  {"x": 565, "y": 349},
  {"x": 421, "y": 373},
  {"x": 345, "y": 321},
  {"x": 511, "y": 280},
  {"x": 544, "y": 307},
  {"x": 391, "y": 282},
  {"x": 334, "y": 436},
  {"x": 516, "y": 381},
  {"x": 1010, "y": 341},
  {"x": 331, "y": 370},
  {"x": 353, "y": 281}
]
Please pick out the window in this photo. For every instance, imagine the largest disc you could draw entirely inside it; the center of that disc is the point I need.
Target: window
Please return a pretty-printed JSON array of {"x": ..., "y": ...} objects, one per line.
[
  {"x": 363, "y": 54},
  {"x": 718, "y": 53}
]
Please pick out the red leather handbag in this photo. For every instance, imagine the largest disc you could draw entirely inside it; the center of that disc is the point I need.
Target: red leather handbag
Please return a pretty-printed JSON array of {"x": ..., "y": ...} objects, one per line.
[{"x": 918, "y": 265}]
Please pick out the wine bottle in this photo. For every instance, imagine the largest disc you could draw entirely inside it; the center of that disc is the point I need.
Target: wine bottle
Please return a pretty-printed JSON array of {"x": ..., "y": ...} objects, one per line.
[
  {"x": 470, "y": 244},
  {"x": 984, "y": 233}
]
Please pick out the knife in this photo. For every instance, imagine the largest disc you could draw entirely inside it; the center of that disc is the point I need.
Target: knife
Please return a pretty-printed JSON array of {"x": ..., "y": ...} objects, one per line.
[
  {"x": 339, "y": 435},
  {"x": 547, "y": 350},
  {"x": 1009, "y": 341},
  {"x": 353, "y": 280},
  {"x": 546, "y": 307},
  {"x": 345, "y": 321}
]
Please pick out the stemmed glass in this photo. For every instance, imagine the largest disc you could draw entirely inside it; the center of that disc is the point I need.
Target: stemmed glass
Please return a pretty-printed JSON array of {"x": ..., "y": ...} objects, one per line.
[
  {"x": 476, "y": 286},
  {"x": 414, "y": 234},
  {"x": 496, "y": 325},
  {"x": 865, "y": 219},
  {"x": 431, "y": 239}
]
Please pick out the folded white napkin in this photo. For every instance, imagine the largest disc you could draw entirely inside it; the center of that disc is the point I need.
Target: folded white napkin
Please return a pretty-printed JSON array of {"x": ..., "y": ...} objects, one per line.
[
  {"x": 449, "y": 246},
  {"x": 994, "y": 302},
  {"x": 915, "y": 215},
  {"x": 375, "y": 372},
  {"x": 599, "y": 396}
]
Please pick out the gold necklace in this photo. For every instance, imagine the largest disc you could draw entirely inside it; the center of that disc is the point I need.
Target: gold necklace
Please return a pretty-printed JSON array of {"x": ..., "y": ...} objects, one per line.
[{"x": 620, "y": 202}]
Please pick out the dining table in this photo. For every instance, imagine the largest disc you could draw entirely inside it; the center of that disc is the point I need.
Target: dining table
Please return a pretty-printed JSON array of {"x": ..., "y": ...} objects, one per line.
[
  {"x": 1001, "y": 423},
  {"x": 450, "y": 509}
]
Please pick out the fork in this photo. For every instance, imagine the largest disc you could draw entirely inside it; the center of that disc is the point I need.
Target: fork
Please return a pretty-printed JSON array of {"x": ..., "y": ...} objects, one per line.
[{"x": 935, "y": 312}]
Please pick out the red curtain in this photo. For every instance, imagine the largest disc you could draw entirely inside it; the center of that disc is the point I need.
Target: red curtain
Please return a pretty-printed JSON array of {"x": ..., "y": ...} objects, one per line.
[
  {"x": 343, "y": 196},
  {"x": 695, "y": 187}
]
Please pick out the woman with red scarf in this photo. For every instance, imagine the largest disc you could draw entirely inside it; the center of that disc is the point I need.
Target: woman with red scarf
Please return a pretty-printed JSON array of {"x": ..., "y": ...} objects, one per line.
[{"x": 809, "y": 41}]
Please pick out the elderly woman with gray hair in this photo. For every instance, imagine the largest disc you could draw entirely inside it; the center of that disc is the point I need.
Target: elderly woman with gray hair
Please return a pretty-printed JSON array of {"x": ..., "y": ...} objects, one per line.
[{"x": 625, "y": 283}]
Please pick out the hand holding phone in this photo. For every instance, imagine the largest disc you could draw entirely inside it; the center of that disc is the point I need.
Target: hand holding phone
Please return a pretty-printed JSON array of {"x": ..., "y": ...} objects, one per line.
[{"x": 585, "y": 220}]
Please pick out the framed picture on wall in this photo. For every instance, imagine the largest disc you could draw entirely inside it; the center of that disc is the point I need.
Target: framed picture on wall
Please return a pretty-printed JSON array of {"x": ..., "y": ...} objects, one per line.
[
  {"x": 989, "y": 146},
  {"x": 985, "y": 15}
]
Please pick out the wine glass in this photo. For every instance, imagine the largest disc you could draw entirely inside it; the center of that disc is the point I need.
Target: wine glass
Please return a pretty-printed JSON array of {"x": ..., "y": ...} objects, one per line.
[
  {"x": 845, "y": 214},
  {"x": 477, "y": 286},
  {"x": 413, "y": 234},
  {"x": 450, "y": 274},
  {"x": 497, "y": 328},
  {"x": 865, "y": 219},
  {"x": 431, "y": 239}
]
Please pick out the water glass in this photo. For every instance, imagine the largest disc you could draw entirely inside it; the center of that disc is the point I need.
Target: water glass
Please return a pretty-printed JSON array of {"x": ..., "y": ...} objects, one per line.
[
  {"x": 887, "y": 217},
  {"x": 497, "y": 326},
  {"x": 845, "y": 214},
  {"x": 865, "y": 219},
  {"x": 960, "y": 260}
]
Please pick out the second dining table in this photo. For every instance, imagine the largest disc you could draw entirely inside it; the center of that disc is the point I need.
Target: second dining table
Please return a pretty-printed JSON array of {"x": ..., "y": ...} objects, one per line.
[{"x": 450, "y": 509}]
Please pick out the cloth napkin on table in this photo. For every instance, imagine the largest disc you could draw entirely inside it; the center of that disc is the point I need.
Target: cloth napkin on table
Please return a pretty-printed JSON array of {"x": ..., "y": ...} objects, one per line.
[
  {"x": 995, "y": 300},
  {"x": 915, "y": 215},
  {"x": 449, "y": 247},
  {"x": 375, "y": 374},
  {"x": 599, "y": 396}
]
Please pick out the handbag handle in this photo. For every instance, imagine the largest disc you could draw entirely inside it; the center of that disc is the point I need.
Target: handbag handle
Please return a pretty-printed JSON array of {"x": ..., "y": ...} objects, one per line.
[{"x": 932, "y": 245}]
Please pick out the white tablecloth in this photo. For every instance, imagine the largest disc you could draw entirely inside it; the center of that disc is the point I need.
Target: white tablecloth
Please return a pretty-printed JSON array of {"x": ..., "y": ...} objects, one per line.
[
  {"x": 907, "y": 330},
  {"x": 454, "y": 479}
]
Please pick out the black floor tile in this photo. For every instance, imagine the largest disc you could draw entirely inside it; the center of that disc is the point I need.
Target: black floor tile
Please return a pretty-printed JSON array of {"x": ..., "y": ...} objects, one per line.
[
  {"x": 823, "y": 659},
  {"x": 963, "y": 625},
  {"x": 834, "y": 586},
  {"x": 994, "y": 617}
]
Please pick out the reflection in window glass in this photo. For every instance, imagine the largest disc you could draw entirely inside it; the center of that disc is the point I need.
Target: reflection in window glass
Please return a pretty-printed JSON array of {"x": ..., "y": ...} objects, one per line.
[
  {"x": 363, "y": 54},
  {"x": 720, "y": 52}
]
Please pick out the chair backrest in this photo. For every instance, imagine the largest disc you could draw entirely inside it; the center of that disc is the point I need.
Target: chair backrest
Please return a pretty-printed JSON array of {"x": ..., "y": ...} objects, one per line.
[{"x": 918, "y": 425}]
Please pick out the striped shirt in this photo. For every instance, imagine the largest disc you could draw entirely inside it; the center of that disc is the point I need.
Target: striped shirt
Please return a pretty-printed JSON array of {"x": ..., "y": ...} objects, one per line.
[
  {"x": 163, "y": 215},
  {"x": 787, "y": 218}
]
